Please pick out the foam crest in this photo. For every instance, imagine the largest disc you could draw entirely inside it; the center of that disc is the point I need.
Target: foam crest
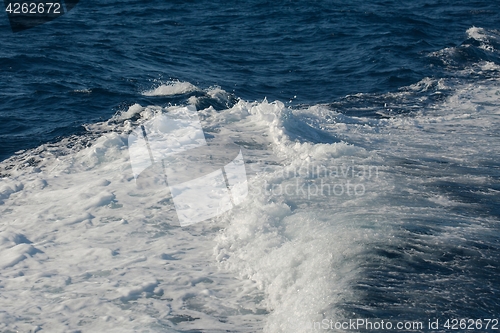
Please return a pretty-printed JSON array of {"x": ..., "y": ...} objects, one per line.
[
  {"x": 292, "y": 236},
  {"x": 171, "y": 89},
  {"x": 487, "y": 38},
  {"x": 327, "y": 208},
  {"x": 102, "y": 239},
  {"x": 306, "y": 248},
  {"x": 474, "y": 54}
]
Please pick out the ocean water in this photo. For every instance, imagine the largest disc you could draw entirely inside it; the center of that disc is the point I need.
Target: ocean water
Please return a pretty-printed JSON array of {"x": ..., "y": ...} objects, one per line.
[{"x": 369, "y": 132}]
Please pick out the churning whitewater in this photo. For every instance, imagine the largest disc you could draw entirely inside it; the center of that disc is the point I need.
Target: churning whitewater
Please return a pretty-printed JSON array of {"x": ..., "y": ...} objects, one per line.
[{"x": 355, "y": 159}]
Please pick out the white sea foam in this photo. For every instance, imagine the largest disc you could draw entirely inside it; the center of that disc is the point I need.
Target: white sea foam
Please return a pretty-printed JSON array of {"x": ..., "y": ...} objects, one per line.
[
  {"x": 487, "y": 37},
  {"x": 83, "y": 248},
  {"x": 477, "y": 33},
  {"x": 302, "y": 247},
  {"x": 171, "y": 88}
]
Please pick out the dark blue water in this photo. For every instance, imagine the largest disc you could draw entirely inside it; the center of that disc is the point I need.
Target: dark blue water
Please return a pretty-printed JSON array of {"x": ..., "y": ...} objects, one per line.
[{"x": 98, "y": 58}]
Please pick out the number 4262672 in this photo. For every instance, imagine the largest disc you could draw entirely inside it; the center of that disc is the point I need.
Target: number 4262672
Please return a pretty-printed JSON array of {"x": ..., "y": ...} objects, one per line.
[{"x": 33, "y": 8}]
